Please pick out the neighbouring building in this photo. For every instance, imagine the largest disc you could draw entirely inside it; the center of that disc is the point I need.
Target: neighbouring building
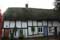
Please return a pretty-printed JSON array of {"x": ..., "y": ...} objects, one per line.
[
  {"x": 57, "y": 4},
  {"x": 1, "y": 22}
]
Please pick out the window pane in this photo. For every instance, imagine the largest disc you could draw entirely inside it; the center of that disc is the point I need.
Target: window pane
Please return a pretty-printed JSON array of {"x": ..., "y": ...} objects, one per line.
[
  {"x": 40, "y": 29},
  {"x": 6, "y": 24},
  {"x": 24, "y": 24},
  {"x": 29, "y": 23},
  {"x": 39, "y": 23},
  {"x": 12, "y": 24},
  {"x": 18, "y": 24},
  {"x": 34, "y": 23}
]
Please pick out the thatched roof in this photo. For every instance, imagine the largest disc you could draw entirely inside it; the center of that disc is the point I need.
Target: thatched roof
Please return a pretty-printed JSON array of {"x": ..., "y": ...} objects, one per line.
[{"x": 30, "y": 14}]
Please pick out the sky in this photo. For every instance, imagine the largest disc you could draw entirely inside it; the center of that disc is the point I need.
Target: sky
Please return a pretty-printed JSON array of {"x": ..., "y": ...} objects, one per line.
[{"x": 45, "y": 4}]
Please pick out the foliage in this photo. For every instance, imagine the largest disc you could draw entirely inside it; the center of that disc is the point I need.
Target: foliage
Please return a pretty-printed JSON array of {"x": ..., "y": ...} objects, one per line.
[
  {"x": 15, "y": 29},
  {"x": 11, "y": 36},
  {"x": 32, "y": 28}
]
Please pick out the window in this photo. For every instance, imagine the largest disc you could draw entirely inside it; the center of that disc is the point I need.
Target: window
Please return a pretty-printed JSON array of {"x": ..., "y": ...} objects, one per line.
[
  {"x": 44, "y": 23},
  {"x": 12, "y": 24},
  {"x": 39, "y": 23},
  {"x": 51, "y": 29},
  {"x": 55, "y": 23},
  {"x": 29, "y": 23},
  {"x": 18, "y": 24},
  {"x": 24, "y": 24},
  {"x": 40, "y": 29},
  {"x": 6, "y": 24}
]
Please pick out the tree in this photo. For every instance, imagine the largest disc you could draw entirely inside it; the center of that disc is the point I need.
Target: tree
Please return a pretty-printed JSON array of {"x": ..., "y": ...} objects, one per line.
[
  {"x": 33, "y": 29},
  {"x": 11, "y": 35}
]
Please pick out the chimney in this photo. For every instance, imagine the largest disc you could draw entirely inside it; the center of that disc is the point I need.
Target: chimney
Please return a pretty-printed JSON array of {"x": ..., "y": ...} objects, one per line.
[{"x": 26, "y": 5}]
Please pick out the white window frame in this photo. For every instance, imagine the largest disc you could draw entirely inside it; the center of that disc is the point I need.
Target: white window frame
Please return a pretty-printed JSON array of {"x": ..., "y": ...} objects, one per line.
[{"x": 42, "y": 30}]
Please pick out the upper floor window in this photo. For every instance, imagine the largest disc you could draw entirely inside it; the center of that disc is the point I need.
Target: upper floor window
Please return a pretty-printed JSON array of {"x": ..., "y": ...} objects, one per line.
[
  {"x": 18, "y": 24},
  {"x": 12, "y": 24},
  {"x": 29, "y": 23},
  {"x": 39, "y": 23},
  {"x": 6, "y": 24},
  {"x": 55, "y": 23},
  {"x": 34, "y": 23},
  {"x": 24, "y": 24},
  {"x": 44, "y": 23}
]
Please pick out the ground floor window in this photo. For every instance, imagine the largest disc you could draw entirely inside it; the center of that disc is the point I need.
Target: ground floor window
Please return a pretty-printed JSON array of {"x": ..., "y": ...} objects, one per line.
[
  {"x": 50, "y": 29},
  {"x": 40, "y": 29}
]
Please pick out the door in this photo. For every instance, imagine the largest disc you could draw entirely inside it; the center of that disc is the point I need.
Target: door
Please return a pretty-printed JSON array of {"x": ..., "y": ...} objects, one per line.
[{"x": 45, "y": 31}]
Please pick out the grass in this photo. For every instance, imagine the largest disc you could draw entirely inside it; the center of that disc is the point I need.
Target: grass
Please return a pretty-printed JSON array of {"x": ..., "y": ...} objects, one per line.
[{"x": 36, "y": 38}]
